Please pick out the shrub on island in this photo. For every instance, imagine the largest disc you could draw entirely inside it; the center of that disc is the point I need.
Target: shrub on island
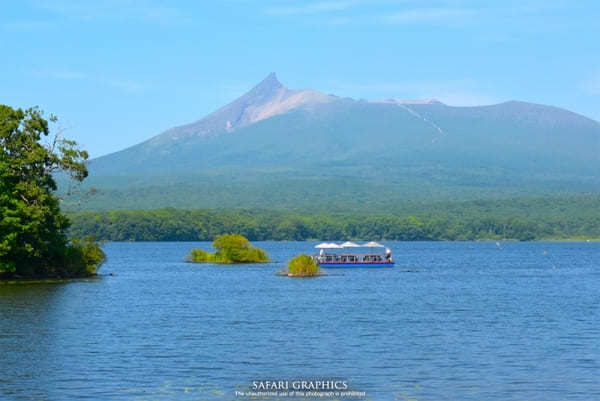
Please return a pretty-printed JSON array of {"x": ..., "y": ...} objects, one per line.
[
  {"x": 84, "y": 257},
  {"x": 200, "y": 256},
  {"x": 303, "y": 266},
  {"x": 231, "y": 248}
]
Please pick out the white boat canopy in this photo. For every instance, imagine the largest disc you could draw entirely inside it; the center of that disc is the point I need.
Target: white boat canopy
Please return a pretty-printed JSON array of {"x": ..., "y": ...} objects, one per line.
[
  {"x": 373, "y": 244},
  {"x": 326, "y": 245},
  {"x": 350, "y": 244}
]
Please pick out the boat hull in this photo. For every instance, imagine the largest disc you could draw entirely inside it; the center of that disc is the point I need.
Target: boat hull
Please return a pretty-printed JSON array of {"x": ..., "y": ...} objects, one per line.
[{"x": 329, "y": 265}]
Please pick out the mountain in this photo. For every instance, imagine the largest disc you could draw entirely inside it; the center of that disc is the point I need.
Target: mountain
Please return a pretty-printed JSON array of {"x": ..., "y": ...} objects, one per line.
[
  {"x": 276, "y": 147},
  {"x": 267, "y": 99}
]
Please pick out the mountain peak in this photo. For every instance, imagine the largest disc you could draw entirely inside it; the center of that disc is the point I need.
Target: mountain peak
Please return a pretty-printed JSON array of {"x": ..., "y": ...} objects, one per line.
[
  {"x": 267, "y": 86},
  {"x": 267, "y": 99},
  {"x": 271, "y": 79}
]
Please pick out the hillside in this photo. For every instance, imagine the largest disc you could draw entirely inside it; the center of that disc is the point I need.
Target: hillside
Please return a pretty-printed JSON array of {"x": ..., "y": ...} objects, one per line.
[{"x": 282, "y": 148}]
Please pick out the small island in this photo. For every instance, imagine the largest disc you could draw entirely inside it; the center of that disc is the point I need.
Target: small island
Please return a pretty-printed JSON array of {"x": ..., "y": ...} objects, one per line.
[
  {"x": 231, "y": 249},
  {"x": 302, "y": 266}
]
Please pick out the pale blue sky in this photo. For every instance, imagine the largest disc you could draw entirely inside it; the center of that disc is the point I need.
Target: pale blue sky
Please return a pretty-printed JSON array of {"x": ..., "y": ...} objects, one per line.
[{"x": 117, "y": 72}]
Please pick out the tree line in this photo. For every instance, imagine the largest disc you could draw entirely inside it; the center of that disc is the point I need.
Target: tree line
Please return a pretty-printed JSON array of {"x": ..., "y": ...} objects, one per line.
[{"x": 204, "y": 225}]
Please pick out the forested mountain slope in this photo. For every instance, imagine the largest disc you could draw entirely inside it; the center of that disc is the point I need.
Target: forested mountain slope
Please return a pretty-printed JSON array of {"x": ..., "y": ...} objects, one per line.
[{"x": 276, "y": 147}]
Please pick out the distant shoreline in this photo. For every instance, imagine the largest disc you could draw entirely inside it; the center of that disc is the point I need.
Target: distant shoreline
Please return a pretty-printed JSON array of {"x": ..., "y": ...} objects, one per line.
[
  {"x": 545, "y": 219},
  {"x": 389, "y": 240}
]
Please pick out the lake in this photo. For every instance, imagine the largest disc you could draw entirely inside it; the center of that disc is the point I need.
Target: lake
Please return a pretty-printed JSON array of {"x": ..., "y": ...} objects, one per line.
[{"x": 452, "y": 321}]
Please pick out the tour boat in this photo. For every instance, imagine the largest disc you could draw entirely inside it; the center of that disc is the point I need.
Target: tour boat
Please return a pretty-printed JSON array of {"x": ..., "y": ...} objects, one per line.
[{"x": 343, "y": 255}]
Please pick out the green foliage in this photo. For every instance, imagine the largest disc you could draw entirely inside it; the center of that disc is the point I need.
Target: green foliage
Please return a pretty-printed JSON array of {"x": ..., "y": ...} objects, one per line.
[
  {"x": 231, "y": 248},
  {"x": 201, "y": 256},
  {"x": 33, "y": 241},
  {"x": 83, "y": 257},
  {"x": 234, "y": 248},
  {"x": 303, "y": 266},
  {"x": 511, "y": 219}
]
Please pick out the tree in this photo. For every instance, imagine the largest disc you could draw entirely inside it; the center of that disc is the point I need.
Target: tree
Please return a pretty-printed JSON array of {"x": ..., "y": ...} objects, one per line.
[
  {"x": 33, "y": 242},
  {"x": 237, "y": 249},
  {"x": 303, "y": 266},
  {"x": 231, "y": 248}
]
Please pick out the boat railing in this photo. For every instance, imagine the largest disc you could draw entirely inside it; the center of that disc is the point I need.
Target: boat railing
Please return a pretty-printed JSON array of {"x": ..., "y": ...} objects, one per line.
[{"x": 351, "y": 258}]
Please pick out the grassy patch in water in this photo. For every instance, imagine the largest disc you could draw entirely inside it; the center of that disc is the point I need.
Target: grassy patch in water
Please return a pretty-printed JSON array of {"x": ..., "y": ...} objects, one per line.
[{"x": 303, "y": 266}]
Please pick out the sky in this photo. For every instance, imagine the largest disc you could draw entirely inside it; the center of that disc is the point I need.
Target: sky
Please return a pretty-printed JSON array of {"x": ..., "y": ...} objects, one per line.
[{"x": 117, "y": 72}]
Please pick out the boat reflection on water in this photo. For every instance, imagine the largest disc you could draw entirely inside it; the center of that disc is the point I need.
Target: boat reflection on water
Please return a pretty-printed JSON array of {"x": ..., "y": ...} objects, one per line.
[{"x": 350, "y": 254}]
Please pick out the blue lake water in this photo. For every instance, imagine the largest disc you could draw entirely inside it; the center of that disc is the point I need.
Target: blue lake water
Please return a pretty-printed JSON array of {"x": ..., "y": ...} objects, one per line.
[{"x": 452, "y": 321}]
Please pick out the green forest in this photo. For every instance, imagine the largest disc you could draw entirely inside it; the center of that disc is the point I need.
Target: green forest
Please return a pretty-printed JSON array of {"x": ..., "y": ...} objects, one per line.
[{"x": 569, "y": 217}]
